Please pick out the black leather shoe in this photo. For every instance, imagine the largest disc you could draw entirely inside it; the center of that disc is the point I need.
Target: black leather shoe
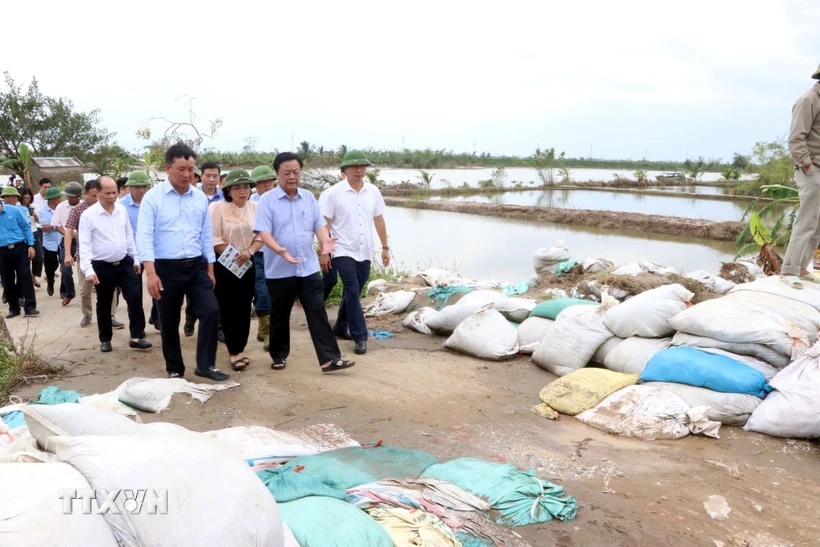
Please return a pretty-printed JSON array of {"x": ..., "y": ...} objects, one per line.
[
  {"x": 140, "y": 344},
  {"x": 50, "y": 290},
  {"x": 360, "y": 348},
  {"x": 175, "y": 375},
  {"x": 212, "y": 374},
  {"x": 105, "y": 347},
  {"x": 13, "y": 314},
  {"x": 188, "y": 330},
  {"x": 220, "y": 336},
  {"x": 32, "y": 313},
  {"x": 342, "y": 335},
  {"x": 85, "y": 321}
]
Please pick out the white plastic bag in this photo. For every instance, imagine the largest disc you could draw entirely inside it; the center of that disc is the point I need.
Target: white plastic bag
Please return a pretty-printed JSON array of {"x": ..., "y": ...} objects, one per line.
[
  {"x": 760, "y": 351},
  {"x": 417, "y": 320},
  {"x": 552, "y": 294},
  {"x": 751, "y": 317},
  {"x": 485, "y": 334},
  {"x": 644, "y": 413},
  {"x": 434, "y": 277},
  {"x": 214, "y": 498},
  {"x": 545, "y": 260},
  {"x": 531, "y": 332},
  {"x": 647, "y": 314},
  {"x": 656, "y": 269},
  {"x": 632, "y": 355},
  {"x": 633, "y": 269},
  {"x": 31, "y": 511},
  {"x": 18, "y": 446},
  {"x": 575, "y": 337},
  {"x": 154, "y": 394},
  {"x": 390, "y": 302},
  {"x": 793, "y": 408},
  {"x": 726, "y": 408}
]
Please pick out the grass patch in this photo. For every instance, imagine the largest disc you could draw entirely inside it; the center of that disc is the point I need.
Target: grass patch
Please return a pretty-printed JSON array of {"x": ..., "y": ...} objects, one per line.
[
  {"x": 389, "y": 275},
  {"x": 20, "y": 366}
]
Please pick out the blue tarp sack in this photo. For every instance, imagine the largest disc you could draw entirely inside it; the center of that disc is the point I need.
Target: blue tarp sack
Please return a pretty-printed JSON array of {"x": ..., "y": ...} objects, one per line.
[
  {"x": 520, "y": 496},
  {"x": 289, "y": 484},
  {"x": 326, "y": 522},
  {"x": 691, "y": 366},
  {"x": 357, "y": 465}
]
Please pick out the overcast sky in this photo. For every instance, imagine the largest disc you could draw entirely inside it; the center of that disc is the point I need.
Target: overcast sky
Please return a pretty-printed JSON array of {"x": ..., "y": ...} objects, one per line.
[{"x": 615, "y": 79}]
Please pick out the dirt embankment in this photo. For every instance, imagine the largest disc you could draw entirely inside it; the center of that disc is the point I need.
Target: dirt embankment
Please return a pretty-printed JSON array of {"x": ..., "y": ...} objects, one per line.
[{"x": 613, "y": 220}]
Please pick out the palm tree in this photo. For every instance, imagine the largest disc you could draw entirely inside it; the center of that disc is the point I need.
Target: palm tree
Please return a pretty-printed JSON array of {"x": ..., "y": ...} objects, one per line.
[
  {"x": 304, "y": 150},
  {"x": 342, "y": 150}
]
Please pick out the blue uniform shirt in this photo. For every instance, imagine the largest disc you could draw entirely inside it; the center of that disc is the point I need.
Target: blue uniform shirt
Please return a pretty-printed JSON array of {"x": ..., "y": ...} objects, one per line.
[
  {"x": 133, "y": 210},
  {"x": 52, "y": 238},
  {"x": 173, "y": 225},
  {"x": 292, "y": 223},
  {"x": 14, "y": 226}
]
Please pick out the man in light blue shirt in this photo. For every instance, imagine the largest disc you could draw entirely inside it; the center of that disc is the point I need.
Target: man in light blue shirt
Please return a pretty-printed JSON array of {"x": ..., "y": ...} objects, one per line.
[
  {"x": 287, "y": 219},
  {"x": 16, "y": 252},
  {"x": 175, "y": 244}
]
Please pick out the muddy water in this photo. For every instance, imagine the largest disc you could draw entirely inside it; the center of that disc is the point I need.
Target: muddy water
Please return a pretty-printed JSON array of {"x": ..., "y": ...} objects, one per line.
[
  {"x": 501, "y": 249},
  {"x": 615, "y": 201},
  {"x": 456, "y": 177}
]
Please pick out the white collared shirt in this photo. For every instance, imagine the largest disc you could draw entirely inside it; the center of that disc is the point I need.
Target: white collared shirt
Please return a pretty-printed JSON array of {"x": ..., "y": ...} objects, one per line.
[
  {"x": 61, "y": 213},
  {"x": 351, "y": 217},
  {"x": 106, "y": 237}
]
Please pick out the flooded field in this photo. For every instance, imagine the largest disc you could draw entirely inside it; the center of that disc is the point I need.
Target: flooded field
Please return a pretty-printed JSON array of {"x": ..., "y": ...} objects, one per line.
[
  {"x": 614, "y": 201},
  {"x": 502, "y": 249}
]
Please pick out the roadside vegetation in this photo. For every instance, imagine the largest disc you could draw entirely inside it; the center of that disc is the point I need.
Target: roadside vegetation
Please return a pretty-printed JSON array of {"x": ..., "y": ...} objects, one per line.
[{"x": 20, "y": 365}]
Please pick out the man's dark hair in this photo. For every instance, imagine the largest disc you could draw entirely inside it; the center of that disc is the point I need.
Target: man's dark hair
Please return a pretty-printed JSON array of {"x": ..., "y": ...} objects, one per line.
[
  {"x": 179, "y": 150},
  {"x": 210, "y": 165},
  {"x": 223, "y": 176},
  {"x": 45, "y": 180},
  {"x": 121, "y": 183},
  {"x": 282, "y": 157},
  {"x": 92, "y": 184}
]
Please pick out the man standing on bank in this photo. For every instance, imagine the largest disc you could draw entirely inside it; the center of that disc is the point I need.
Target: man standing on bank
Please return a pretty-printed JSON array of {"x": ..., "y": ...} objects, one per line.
[
  {"x": 352, "y": 209},
  {"x": 804, "y": 145},
  {"x": 16, "y": 253},
  {"x": 175, "y": 244},
  {"x": 265, "y": 180},
  {"x": 287, "y": 219},
  {"x": 109, "y": 260}
]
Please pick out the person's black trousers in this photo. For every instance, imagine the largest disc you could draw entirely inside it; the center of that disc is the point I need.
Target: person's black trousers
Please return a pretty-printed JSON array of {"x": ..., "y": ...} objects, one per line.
[
  {"x": 15, "y": 268},
  {"x": 309, "y": 289},
  {"x": 113, "y": 275},
  {"x": 67, "y": 274},
  {"x": 329, "y": 280},
  {"x": 234, "y": 295},
  {"x": 51, "y": 261},
  {"x": 37, "y": 262},
  {"x": 354, "y": 275},
  {"x": 181, "y": 278}
]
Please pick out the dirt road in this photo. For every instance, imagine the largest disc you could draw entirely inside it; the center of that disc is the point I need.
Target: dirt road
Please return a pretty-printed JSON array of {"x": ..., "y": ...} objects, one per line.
[{"x": 411, "y": 392}]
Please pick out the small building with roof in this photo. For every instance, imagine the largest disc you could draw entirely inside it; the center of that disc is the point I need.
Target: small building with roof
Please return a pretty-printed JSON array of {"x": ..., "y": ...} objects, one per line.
[{"x": 59, "y": 170}]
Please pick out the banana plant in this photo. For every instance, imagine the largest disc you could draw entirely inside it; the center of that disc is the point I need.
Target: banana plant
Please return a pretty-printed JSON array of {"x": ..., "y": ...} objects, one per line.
[{"x": 765, "y": 240}]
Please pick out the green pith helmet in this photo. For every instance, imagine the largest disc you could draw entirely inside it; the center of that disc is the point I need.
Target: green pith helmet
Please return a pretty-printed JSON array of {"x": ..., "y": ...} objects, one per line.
[
  {"x": 197, "y": 171},
  {"x": 263, "y": 172},
  {"x": 354, "y": 157},
  {"x": 816, "y": 74},
  {"x": 238, "y": 176},
  {"x": 10, "y": 191},
  {"x": 52, "y": 193},
  {"x": 138, "y": 178},
  {"x": 74, "y": 189}
]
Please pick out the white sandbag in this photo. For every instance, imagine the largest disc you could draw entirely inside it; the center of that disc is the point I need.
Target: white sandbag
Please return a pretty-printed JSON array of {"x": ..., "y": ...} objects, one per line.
[
  {"x": 255, "y": 444},
  {"x": 605, "y": 349},
  {"x": 553, "y": 294},
  {"x": 711, "y": 281},
  {"x": 751, "y": 317},
  {"x": 793, "y": 408},
  {"x": 633, "y": 269},
  {"x": 390, "y": 302},
  {"x": 761, "y": 352},
  {"x": 376, "y": 285},
  {"x": 18, "y": 446},
  {"x": 575, "y": 337},
  {"x": 647, "y": 314},
  {"x": 73, "y": 420},
  {"x": 154, "y": 394},
  {"x": 531, "y": 332},
  {"x": 656, "y": 269},
  {"x": 726, "y": 408},
  {"x": 632, "y": 355},
  {"x": 485, "y": 334},
  {"x": 766, "y": 370},
  {"x": 597, "y": 290},
  {"x": 434, "y": 277},
  {"x": 417, "y": 320},
  {"x": 809, "y": 295},
  {"x": 545, "y": 260},
  {"x": 214, "y": 498},
  {"x": 596, "y": 265},
  {"x": 31, "y": 511},
  {"x": 514, "y": 309},
  {"x": 645, "y": 413},
  {"x": 446, "y": 321}
]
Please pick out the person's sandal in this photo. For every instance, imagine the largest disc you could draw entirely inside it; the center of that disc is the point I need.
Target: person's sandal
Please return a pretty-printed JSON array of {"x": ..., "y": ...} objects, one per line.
[
  {"x": 278, "y": 365},
  {"x": 338, "y": 365},
  {"x": 792, "y": 281},
  {"x": 237, "y": 367}
]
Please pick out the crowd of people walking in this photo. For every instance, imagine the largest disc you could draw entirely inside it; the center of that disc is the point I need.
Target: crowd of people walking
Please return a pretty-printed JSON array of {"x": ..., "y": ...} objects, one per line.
[{"x": 231, "y": 245}]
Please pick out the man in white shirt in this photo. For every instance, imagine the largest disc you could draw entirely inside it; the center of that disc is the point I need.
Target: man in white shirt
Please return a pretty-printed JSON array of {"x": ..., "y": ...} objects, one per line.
[
  {"x": 39, "y": 201},
  {"x": 110, "y": 260},
  {"x": 329, "y": 277},
  {"x": 73, "y": 192},
  {"x": 352, "y": 209}
]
